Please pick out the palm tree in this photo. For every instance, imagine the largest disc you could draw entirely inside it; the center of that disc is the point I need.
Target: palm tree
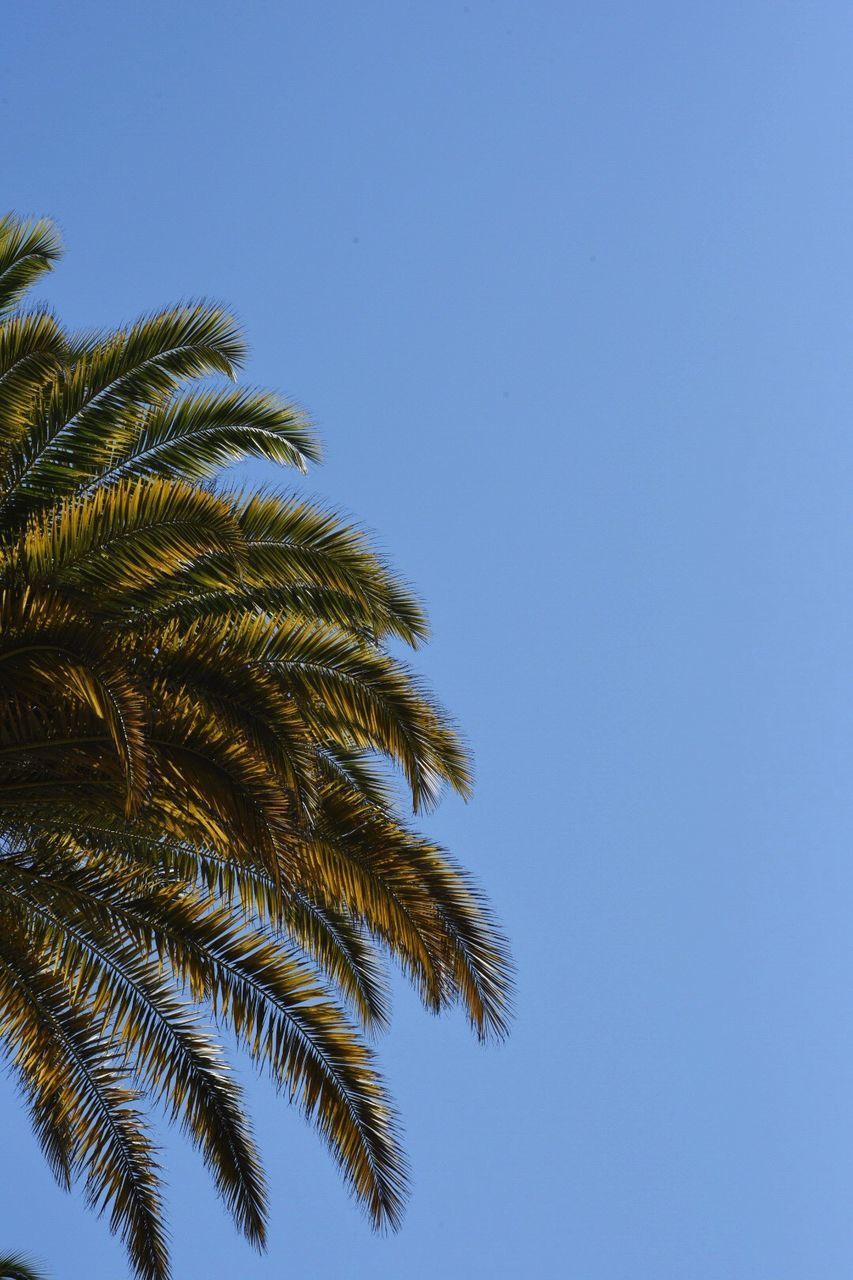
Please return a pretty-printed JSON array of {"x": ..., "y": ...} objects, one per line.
[{"x": 198, "y": 829}]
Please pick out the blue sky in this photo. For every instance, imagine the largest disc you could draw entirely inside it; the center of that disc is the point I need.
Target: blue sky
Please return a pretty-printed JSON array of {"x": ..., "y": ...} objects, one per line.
[{"x": 568, "y": 289}]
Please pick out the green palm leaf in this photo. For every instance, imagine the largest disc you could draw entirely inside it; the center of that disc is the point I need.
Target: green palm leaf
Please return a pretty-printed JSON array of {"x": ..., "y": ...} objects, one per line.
[{"x": 14, "y": 1266}]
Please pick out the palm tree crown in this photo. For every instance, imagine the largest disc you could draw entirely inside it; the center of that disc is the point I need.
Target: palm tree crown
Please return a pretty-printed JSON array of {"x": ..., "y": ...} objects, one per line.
[{"x": 198, "y": 830}]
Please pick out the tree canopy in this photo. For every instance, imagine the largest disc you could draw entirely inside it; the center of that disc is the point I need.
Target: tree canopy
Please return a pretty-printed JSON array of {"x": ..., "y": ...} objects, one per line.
[{"x": 201, "y": 722}]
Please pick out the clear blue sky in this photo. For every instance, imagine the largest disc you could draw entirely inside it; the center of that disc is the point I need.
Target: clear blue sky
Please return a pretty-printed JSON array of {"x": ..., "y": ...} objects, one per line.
[{"x": 568, "y": 288}]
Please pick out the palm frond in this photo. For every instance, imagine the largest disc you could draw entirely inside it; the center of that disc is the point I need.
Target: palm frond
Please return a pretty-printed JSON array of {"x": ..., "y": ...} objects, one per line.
[
  {"x": 90, "y": 410},
  {"x": 100, "y": 951},
  {"x": 192, "y": 435},
  {"x": 32, "y": 346},
  {"x": 14, "y": 1266},
  {"x": 58, "y": 1052},
  {"x": 137, "y": 533},
  {"x": 27, "y": 250},
  {"x": 49, "y": 655},
  {"x": 292, "y": 541}
]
